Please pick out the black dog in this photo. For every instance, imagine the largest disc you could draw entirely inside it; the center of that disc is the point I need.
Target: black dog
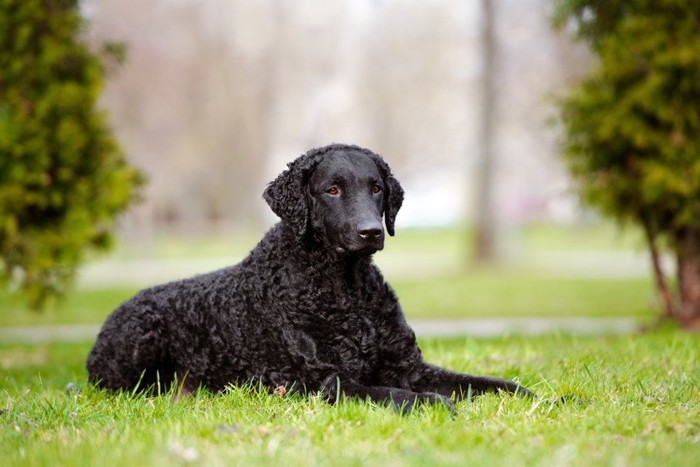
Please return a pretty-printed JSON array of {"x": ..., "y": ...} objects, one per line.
[{"x": 306, "y": 308}]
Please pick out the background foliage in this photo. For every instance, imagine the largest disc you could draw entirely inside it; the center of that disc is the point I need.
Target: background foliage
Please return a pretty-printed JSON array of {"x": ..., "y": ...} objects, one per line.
[
  {"x": 62, "y": 175},
  {"x": 631, "y": 127}
]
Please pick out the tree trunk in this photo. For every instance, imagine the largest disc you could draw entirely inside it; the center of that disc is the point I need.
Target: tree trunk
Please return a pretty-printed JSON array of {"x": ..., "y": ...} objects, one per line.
[
  {"x": 660, "y": 277},
  {"x": 688, "y": 251},
  {"x": 485, "y": 248}
]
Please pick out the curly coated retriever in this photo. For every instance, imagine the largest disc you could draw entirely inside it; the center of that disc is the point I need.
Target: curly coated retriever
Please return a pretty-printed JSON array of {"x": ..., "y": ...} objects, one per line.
[{"x": 306, "y": 309}]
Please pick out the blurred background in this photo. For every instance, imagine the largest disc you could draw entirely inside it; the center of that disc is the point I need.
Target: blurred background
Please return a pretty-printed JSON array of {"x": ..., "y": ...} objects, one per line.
[{"x": 216, "y": 96}]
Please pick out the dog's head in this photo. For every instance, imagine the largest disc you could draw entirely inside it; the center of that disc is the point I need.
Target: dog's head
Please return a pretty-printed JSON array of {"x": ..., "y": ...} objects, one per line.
[{"x": 336, "y": 195}]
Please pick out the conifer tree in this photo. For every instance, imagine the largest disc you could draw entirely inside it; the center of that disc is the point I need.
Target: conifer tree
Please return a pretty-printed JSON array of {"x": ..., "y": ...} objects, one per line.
[
  {"x": 63, "y": 178},
  {"x": 632, "y": 129}
]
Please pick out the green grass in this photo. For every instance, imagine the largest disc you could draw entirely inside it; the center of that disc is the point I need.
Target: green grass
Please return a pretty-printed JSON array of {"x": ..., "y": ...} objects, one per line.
[
  {"x": 517, "y": 294},
  {"x": 494, "y": 294},
  {"x": 80, "y": 306},
  {"x": 642, "y": 408}
]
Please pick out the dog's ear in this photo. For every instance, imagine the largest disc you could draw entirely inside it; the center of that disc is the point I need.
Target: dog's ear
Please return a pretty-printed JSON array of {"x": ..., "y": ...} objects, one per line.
[
  {"x": 393, "y": 195},
  {"x": 288, "y": 196}
]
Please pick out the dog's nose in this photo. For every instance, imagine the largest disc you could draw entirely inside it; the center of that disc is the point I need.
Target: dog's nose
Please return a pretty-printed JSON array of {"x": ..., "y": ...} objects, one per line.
[{"x": 370, "y": 230}]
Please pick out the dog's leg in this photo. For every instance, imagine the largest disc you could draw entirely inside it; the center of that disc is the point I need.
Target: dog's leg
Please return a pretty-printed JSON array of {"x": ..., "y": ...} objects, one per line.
[
  {"x": 430, "y": 378},
  {"x": 402, "y": 400}
]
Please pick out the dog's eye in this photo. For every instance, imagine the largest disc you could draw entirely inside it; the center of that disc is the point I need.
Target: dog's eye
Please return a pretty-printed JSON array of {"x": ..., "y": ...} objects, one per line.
[
  {"x": 376, "y": 189},
  {"x": 333, "y": 190}
]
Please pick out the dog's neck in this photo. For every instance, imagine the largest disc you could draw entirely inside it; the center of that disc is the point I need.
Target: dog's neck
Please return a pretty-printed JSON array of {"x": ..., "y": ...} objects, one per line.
[{"x": 342, "y": 267}]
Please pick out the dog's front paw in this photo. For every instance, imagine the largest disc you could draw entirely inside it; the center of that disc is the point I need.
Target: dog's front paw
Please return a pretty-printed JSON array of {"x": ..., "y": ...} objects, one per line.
[
  {"x": 437, "y": 399},
  {"x": 406, "y": 401}
]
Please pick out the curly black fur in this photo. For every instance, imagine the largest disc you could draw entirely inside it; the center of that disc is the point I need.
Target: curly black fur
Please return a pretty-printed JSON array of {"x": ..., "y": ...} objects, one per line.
[{"x": 306, "y": 308}]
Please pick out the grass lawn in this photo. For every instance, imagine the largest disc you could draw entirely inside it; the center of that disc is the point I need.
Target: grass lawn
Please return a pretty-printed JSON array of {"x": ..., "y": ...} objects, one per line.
[
  {"x": 460, "y": 295},
  {"x": 642, "y": 408}
]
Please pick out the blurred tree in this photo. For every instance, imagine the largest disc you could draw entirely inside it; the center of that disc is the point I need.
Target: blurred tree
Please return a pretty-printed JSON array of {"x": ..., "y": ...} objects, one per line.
[
  {"x": 62, "y": 175},
  {"x": 632, "y": 128}
]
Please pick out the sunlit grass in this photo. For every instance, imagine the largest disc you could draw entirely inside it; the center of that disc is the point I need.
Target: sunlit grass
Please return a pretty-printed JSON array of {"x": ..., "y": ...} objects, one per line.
[{"x": 632, "y": 400}]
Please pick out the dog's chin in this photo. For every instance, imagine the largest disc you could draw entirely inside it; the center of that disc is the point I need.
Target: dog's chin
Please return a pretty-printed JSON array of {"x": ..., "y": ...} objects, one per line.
[{"x": 364, "y": 249}]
